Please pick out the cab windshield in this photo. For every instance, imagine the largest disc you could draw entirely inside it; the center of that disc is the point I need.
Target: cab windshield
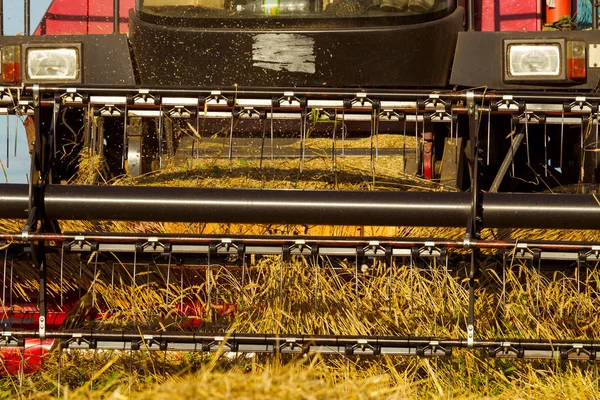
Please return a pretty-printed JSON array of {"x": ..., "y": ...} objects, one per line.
[{"x": 280, "y": 9}]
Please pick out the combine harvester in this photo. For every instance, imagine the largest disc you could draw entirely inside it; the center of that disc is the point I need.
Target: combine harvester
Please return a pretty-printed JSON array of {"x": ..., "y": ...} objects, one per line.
[{"x": 480, "y": 104}]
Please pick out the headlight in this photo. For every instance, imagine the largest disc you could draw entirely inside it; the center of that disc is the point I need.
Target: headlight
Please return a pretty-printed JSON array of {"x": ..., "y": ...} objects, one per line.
[
  {"x": 534, "y": 60},
  {"x": 544, "y": 60},
  {"x": 56, "y": 64}
]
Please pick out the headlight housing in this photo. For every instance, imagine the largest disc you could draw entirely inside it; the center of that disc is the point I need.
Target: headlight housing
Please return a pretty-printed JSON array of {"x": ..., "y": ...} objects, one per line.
[
  {"x": 534, "y": 60},
  {"x": 43, "y": 63},
  {"x": 544, "y": 60}
]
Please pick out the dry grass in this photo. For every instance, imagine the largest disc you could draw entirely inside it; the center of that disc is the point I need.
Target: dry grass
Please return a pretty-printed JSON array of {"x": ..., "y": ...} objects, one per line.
[{"x": 301, "y": 296}]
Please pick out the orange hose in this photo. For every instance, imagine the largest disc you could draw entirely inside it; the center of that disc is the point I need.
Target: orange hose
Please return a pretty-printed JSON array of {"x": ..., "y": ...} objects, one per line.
[{"x": 553, "y": 14}]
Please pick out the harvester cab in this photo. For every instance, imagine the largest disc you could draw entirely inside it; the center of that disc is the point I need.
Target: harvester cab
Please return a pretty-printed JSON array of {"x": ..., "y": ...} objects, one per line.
[{"x": 479, "y": 117}]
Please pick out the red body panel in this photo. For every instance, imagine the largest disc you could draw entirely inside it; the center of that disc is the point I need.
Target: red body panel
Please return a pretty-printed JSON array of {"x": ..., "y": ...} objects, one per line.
[
  {"x": 73, "y": 17},
  {"x": 32, "y": 356},
  {"x": 511, "y": 15}
]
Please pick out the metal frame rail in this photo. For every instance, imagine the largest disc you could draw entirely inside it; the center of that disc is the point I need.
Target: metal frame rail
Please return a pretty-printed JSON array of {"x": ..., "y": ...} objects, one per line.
[
  {"x": 304, "y": 344},
  {"x": 472, "y": 212}
]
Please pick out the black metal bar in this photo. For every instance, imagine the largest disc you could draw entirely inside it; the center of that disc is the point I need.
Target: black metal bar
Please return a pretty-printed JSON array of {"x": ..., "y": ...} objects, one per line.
[
  {"x": 595, "y": 14},
  {"x": 116, "y": 17},
  {"x": 1, "y": 17},
  {"x": 471, "y": 15},
  {"x": 313, "y": 93},
  {"x": 27, "y": 18},
  {"x": 171, "y": 204},
  {"x": 475, "y": 221},
  {"x": 420, "y": 346}
]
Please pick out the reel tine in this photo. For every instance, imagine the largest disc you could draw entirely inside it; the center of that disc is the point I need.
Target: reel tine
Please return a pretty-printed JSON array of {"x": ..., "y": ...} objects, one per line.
[
  {"x": 538, "y": 283},
  {"x": 161, "y": 127},
  {"x": 343, "y": 132},
  {"x": 112, "y": 278},
  {"x": 512, "y": 150},
  {"x": 376, "y": 135},
  {"x": 545, "y": 148},
  {"x": 62, "y": 263},
  {"x": 504, "y": 281},
  {"x": 562, "y": 135},
  {"x": 125, "y": 121},
  {"x": 581, "y": 150},
  {"x": 207, "y": 309},
  {"x": 527, "y": 135},
  {"x": 230, "y": 154},
  {"x": 10, "y": 292},
  {"x": 95, "y": 352},
  {"x": 148, "y": 281},
  {"x": 7, "y": 141},
  {"x": 196, "y": 141},
  {"x": 21, "y": 373},
  {"x": 371, "y": 138},
  {"x": 303, "y": 124},
  {"x": 455, "y": 154},
  {"x": 80, "y": 294},
  {"x": 281, "y": 282},
  {"x": 16, "y": 137},
  {"x": 164, "y": 365},
  {"x": 262, "y": 143},
  {"x": 489, "y": 134},
  {"x": 130, "y": 383},
  {"x": 417, "y": 155},
  {"x": 390, "y": 280},
  {"x": 272, "y": 135},
  {"x": 4, "y": 285},
  {"x": 58, "y": 368},
  {"x": 182, "y": 295},
  {"x": 94, "y": 279},
  {"x": 446, "y": 270},
  {"x": 356, "y": 282},
  {"x": 422, "y": 146},
  {"x": 595, "y": 122},
  {"x": 242, "y": 297},
  {"x": 168, "y": 279},
  {"x": 411, "y": 278},
  {"x": 133, "y": 281},
  {"x": 316, "y": 262},
  {"x": 333, "y": 141},
  {"x": 404, "y": 144}
]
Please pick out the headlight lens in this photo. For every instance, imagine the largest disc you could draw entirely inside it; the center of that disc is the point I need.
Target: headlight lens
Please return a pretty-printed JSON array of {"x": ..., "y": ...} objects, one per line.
[
  {"x": 52, "y": 64},
  {"x": 543, "y": 60}
]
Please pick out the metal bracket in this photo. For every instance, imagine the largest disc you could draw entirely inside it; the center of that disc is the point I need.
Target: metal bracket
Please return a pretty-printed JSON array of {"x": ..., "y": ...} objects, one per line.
[
  {"x": 361, "y": 100},
  {"x": 108, "y": 110},
  {"x": 320, "y": 114},
  {"x": 581, "y": 102},
  {"x": 434, "y": 349},
  {"x": 143, "y": 97},
  {"x": 179, "y": 112},
  {"x": 374, "y": 249},
  {"x": 507, "y": 103},
  {"x": 154, "y": 245},
  {"x": 82, "y": 243},
  {"x": 505, "y": 349},
  {"x": 7, "y": 339},
  {"x": 219, "y": 343},
  {"x": 391, "y": 115},
  {"x": 72, "y": 96},
  {"x": 292, "y": 344},
  {"x": 434, "y": 99},
  {"x": 250, "y": 113},
  {"x": 363, "y": 346},
  {"x": 215, "y": 98},
  {"x": 578, "y": 349}
]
